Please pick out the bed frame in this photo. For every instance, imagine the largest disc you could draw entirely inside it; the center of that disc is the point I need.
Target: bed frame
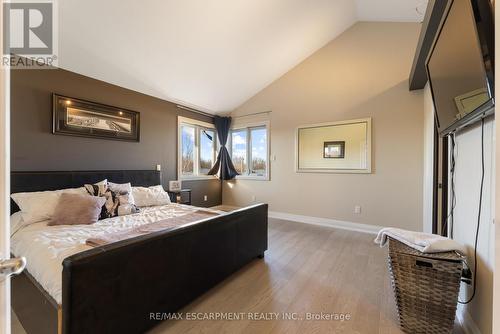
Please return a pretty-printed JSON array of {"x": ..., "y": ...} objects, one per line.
[{"x": 117, "y": 287}]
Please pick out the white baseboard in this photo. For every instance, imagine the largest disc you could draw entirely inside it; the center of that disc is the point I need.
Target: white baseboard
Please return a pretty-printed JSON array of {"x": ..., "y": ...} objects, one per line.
[
  {"x": 466, "y": 322},
  {"x": 372, "y": 229}
]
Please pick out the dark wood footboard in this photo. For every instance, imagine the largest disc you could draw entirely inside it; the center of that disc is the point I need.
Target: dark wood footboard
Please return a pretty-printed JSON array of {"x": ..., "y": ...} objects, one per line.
[{"x": 115, "y": 288}]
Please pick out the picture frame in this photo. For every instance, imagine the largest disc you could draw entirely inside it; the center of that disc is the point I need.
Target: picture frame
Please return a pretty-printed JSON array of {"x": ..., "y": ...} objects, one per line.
[
  {"x": 77, "y": 117},
  {"x": 310, "y": 142},
  {"x": 174, "y": 185},
  {"x": 334, "y": 149}
]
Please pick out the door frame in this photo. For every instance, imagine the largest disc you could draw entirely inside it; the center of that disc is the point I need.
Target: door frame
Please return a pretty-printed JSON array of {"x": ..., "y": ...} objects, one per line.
[
  {"x": 440, "y": 188},
  {"x": 5, "y": 321}
]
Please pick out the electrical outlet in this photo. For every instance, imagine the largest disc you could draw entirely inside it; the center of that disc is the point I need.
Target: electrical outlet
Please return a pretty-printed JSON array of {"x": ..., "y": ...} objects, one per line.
[
  {"x": 158, "y": 168},
  {"x": 205, "y": 198},
  {"x": 357, "y": 209},
  {"x": 254, "y": 198}
]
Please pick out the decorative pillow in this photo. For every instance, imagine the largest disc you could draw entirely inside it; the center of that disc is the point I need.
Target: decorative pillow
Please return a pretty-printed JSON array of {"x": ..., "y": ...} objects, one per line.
[
  {"x": 76, "y": 209},
  {"x": 114, "y": 200},
  {"x": 123, "y": 188},
  {"x": 40, "y": 205},
  {"x": 97, "y": 189},
  {"x": 151, "y": 196}
]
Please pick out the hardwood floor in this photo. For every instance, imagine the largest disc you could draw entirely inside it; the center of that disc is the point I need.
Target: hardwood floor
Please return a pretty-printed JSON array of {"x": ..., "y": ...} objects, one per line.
[{"x": 306, "y": 269}]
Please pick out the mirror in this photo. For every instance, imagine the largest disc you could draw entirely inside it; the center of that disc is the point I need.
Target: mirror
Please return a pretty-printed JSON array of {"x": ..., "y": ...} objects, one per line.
[{"x": 337, "y": 147}]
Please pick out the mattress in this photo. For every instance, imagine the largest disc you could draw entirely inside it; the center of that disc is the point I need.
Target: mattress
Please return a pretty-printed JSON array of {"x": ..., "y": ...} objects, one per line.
[{"x": 45, "y": 247}]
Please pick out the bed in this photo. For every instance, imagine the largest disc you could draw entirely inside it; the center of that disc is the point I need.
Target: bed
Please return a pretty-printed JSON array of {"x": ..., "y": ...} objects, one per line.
[{"x": 116, "y": 287}]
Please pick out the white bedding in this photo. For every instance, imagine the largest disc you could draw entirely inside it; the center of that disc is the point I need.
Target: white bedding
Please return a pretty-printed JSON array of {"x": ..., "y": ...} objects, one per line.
[{"x": 45, "y": 247}]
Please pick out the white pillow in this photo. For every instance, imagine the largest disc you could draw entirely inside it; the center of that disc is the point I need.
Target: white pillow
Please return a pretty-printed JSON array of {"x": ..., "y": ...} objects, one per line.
[
  {"x": 16, "y": 222},
  {"x": 152, "y": 196},
  {"x": 40, "y": 205}
]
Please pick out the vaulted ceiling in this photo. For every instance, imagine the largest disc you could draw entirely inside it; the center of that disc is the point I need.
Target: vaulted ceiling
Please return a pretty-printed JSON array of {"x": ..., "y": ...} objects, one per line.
[{"x": 211, "y": 55}]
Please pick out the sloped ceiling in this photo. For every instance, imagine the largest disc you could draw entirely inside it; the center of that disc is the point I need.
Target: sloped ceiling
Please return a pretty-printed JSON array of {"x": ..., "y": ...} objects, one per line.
[{"x": 210, "y": 55}]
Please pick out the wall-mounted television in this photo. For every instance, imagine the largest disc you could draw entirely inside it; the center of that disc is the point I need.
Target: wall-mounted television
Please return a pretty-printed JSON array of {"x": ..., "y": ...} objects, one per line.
[{"x": 460, "y": 66}]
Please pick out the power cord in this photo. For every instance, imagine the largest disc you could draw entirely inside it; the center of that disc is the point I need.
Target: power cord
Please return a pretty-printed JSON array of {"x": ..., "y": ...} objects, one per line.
[
  {"x": 474, "y": 273},
  {"x": 450, "y": 217}
]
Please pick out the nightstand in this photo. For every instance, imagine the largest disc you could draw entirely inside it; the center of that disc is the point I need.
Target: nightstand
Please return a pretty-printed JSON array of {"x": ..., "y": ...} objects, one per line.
[{"x": 182, "y": 196}]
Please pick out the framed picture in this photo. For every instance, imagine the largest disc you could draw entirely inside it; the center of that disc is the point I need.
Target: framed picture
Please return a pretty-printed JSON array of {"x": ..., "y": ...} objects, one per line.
[
  {"x": 334, "y": 149},
  {"x": 75, "y": 117},
  {"x": 174, "y": 185}
]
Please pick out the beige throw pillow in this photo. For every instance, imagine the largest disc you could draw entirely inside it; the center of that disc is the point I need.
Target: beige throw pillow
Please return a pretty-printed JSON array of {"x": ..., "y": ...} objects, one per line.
[{"x": 76, "y": 209}]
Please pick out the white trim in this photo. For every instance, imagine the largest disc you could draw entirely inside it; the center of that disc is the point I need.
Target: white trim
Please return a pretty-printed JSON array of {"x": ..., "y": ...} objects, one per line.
[
  {"x": 250, "y": 177},
  {"x": 197, "y": 177},
  {"x": 466, "y": 322},
  {"x": 334, "y": 223},
  {"x": 254, "y": 124},
  {"x": 190, "y": 121},
  {"x": 5, "y": 321},
  {"x": 367, "y": 170}
]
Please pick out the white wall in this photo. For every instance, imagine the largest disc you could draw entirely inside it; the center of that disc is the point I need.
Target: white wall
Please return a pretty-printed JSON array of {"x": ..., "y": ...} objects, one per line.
[
  {"x": 478, "y": 314},
  {"x": 496, "y": 292},
  {"x": 428, "y": 160},
  {"x": 362, "y": 73}
]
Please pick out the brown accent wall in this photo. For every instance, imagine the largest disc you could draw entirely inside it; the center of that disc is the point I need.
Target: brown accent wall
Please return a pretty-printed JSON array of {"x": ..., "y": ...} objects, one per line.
[{"x": 35, "y": 148}]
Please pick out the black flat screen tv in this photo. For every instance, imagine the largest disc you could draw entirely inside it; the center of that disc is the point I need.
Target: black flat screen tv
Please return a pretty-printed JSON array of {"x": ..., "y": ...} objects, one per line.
[{"x": 460, "y": 66}]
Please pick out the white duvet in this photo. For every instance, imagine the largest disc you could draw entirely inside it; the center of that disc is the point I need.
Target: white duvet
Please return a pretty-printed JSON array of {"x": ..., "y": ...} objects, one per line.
[{"x": 45, "y": 247}]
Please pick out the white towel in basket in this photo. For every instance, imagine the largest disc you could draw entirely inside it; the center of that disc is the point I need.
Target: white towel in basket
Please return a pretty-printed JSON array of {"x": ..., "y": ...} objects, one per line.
[{"x": 423, "y": 242}]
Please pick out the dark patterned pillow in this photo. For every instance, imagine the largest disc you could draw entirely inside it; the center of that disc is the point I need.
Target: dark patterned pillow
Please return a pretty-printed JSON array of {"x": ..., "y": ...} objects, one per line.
[
  {"x": 97, "y": 189},
  {"x": 126, "y": 204},
  {"x": 117, "y": 204}
]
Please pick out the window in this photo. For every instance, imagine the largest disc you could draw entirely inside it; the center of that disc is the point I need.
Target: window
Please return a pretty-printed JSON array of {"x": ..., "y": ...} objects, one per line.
[
  {"x": 239, "y": 150},
  {"x": 249, "y": 151},
  {"x": 188, "y": 143},
  {"x": 207, "y": 149},
  {"x": 197, "y": 148},
  {"x": 258, "y": 157}
]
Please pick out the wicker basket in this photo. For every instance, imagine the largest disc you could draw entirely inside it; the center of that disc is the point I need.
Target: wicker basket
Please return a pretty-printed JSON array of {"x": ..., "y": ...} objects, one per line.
[{"x": 426, "y": 288}]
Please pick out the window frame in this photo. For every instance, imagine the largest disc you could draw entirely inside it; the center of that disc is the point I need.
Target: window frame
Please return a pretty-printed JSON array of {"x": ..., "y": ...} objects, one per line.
[
  {"x": 248, "y": 127},
  {"x": 230, "y": 144},
  {"x": 198, "y": 127}
]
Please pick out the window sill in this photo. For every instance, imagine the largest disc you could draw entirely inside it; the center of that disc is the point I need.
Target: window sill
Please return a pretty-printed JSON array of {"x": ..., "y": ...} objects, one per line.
[
  {"x": 198, "y": 178},
  {"x": 255, "y": 178}
]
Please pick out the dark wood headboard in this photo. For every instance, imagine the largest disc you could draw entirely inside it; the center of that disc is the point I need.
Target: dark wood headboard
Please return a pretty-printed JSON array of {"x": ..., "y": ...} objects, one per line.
[{"x": 49, "y": 180}]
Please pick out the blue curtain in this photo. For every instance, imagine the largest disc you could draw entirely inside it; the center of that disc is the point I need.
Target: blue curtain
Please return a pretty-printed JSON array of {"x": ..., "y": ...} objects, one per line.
[{"x": 223, "y": 163}]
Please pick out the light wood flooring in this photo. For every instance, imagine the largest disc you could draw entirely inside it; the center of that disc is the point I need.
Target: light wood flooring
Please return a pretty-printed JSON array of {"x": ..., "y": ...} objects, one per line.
[{"x": 306, "y": 269}]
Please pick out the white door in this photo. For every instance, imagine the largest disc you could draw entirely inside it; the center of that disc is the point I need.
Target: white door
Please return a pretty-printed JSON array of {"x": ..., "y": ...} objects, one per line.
[
  {"x": 4, "y": 166},
  {"x": 4, "y": 190},
  {"x": 7, "y": 265}
]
